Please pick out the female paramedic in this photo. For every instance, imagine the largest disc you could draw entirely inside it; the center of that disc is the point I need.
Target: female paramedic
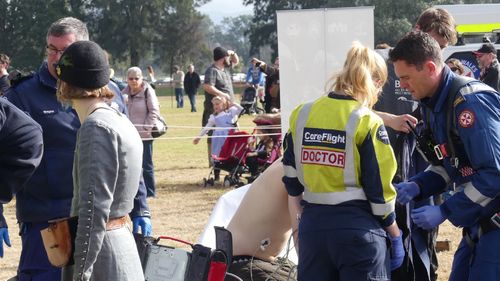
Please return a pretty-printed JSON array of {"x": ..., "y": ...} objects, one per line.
[{"x": 339, "y": 165}]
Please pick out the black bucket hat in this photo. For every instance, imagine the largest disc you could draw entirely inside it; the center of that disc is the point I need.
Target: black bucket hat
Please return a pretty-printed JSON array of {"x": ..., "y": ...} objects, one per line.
[{"x": 84, "y": 64}]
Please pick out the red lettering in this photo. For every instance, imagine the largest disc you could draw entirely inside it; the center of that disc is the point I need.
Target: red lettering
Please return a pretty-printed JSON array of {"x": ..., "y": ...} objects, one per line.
[
  {"x": 332, "y": 158},
  {"x": 305, "y": 155},
  {"x": 340, "y": 159},
  {"x": 323, "y": 157}
]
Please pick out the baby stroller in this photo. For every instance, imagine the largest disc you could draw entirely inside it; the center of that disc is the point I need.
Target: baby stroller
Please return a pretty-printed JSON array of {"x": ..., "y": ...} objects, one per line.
[
  {"x": 266, "y": 151},
  {"x": 231, "y": 159},
  {"x": 249, "y": 101},
  {"x": 234, "y": 155}
]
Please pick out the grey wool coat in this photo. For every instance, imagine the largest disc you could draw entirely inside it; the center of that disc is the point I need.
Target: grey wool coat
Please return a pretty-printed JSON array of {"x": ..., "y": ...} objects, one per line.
[{"x": 106, "y": 172}]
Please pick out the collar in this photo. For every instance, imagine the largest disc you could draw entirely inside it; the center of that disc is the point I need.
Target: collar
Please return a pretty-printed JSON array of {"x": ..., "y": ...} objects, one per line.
[
  {"x": 334, "y": 95},
  {"x": 438, "y": 100},
  {"x": 493, "y": 64},
  {"x": 45, "y": 77},
  {"x": 216, "y": 66}
]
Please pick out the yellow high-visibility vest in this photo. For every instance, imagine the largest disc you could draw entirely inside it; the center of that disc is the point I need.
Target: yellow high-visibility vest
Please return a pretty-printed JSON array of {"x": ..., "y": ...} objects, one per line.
[{"x": 327, "y": 136}]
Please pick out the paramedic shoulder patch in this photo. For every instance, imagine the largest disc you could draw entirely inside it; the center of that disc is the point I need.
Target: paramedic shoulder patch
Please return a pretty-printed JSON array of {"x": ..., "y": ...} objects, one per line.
[
  {"x": 382, "y": 135},
  {"x": 466, "y": 118}
]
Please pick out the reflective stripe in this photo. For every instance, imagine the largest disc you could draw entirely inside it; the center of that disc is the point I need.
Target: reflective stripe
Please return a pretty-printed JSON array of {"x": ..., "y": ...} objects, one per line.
[
  {"x": 475, "y": 195},
  {"x": 384, "y": 208},
  {"x": 350, "y": 130},
  {"x": 474, "y": 88},
  {"x": 299, "y": 133},
  {"x": 290, "y": 171},
  {"x": 440, "y": 170},
  {"x": 334, "y": 198}
]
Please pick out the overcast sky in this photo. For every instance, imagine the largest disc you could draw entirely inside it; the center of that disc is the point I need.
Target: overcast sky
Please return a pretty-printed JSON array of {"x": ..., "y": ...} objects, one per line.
[{"x": 218, "y": 9}]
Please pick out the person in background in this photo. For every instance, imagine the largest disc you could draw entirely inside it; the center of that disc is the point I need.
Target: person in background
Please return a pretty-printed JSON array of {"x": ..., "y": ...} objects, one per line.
[
  {"x": 461, "y": 119},
  {"x": 47, "y": 194},
  {"x": 225, "y": 116},
  {"x": 143, "y": 109},
  {"x": 456, "y": 66},
  {"x": 261, "y": 151},
  {"x": 191, "y": 84},
  {"x": 4, "y": 75},
  {"x": 488, "y": 63},
  {"x": 382, "y": 46},
  {"x": 255, "y": 78},
  {"x": 106, "y": 170},
  {"x": 218, "y": 82},
  {"x": 272, "y": 86},
  {"x": 21, "y": 147},
  {"x": 178, "y": 80},
  {"x": 338, "y": 166}
]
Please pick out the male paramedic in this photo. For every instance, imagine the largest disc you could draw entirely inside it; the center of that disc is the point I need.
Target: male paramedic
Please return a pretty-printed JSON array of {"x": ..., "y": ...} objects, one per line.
[{"x": 461, "y": 140}]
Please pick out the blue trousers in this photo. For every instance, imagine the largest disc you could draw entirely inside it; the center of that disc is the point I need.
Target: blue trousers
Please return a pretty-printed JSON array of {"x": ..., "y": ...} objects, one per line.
[
  {"x": 148, "y": 170},
  {"x": 34, "y": 264},
  {"x": 179, "y": 97},
  {"x": 341, "y": 243},
  {"x": 192, "y": 100},
  {"x": 479, "y": 264}
]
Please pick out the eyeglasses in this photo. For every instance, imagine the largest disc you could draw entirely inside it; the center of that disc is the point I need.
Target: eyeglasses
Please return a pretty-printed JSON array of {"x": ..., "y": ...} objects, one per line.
[
  {"x": 453, "y": 69},
  {"x": 134, "y": 78},
  {"x": 53, "y": 51}
]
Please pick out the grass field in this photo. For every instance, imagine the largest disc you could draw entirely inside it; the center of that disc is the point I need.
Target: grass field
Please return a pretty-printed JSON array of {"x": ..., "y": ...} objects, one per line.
[{"x": 183, "y": 205}]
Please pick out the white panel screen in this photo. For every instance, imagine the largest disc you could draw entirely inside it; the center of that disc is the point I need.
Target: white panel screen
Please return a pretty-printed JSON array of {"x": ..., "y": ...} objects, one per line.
[{"x": 312, "y": 45}]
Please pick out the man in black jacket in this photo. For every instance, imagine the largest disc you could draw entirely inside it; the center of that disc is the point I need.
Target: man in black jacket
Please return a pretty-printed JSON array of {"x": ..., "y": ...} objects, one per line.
[
  {"x": 488, "y": 63},
  {"x": 191, "y": 84}
]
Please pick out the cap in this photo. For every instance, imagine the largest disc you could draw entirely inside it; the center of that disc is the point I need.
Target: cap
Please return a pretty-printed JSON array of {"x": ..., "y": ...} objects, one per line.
[
  {"x": 485, "y": 49},
  {"x": 220, "y": 52},
  {"x": 84, "y": 64}
]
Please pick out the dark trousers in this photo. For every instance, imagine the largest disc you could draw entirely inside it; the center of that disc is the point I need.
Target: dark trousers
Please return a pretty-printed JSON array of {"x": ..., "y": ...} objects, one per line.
[
  {"x": 480, "y": 263},
  {"x": 34, "y": 264},
  {"x": 147, "y": 167},
  {"x": 192, "y": 100},
  {"x": 179, "y": 97}
]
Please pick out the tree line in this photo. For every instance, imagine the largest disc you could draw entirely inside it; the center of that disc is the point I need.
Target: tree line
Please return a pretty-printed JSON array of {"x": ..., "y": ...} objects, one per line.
[
  {"x": 160, "y": 33},
  {"x": 163, "y": 33}
]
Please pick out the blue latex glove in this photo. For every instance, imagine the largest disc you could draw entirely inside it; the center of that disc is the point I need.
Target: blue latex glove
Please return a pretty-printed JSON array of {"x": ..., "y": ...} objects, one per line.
[
  {"x": 428, "y": 217},
  {"x": 144, "y": 223},
  {"x": 397, "y": 251},
  {"x": 4, "y": 237},
  {"x": 406, "y": 191}
]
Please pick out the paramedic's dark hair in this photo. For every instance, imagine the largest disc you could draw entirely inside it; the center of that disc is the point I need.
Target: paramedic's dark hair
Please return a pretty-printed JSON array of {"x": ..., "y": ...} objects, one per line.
[
  {"x": 415, "y": 48},
  {"x": 439, "y": 21}
]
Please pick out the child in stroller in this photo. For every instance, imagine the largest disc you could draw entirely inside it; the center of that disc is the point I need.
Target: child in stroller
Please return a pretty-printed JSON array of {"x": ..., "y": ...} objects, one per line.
[
  {"x": 240, "y": 156},
  {"x": 223, "y": 119},
  {"x": 268, "y": 149},
  {"x": 249, "y": 101}
]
